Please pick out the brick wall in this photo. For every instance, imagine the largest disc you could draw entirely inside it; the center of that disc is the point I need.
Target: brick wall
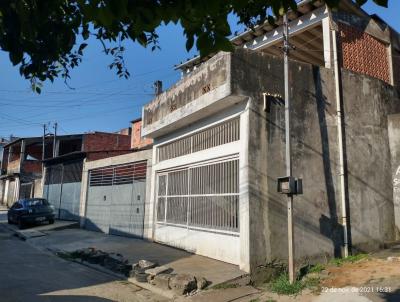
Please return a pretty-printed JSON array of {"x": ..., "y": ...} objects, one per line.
[
  {"x": 100, "y": 145},
  {"x": 396, "y": 67},
  {"x": 137, "y": 140},
  {"x": 363, "y": 53},
  {"x": 13, "y": 166},
  {"x": 32, "y": 166}
]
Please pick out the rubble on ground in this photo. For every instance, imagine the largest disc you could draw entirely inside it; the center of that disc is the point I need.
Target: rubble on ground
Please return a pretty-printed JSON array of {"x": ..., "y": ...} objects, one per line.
[{"x": 144, "y": 271}]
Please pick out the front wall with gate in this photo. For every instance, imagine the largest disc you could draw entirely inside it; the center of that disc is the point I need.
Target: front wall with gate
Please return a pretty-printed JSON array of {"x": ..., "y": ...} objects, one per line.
[
  {"x": 116, "y": 199},
  {"x": 62, "y": 189},
  {"x": 197, "y": 191}
]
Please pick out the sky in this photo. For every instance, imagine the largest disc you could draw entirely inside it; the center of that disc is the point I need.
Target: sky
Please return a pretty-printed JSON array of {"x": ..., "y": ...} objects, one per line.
[{"x": 99, "y": 100}]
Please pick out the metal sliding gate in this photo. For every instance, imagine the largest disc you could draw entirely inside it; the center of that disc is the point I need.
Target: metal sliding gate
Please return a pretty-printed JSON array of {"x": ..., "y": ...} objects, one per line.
[
  {"x": 116, "y": 199},
  {"x": 63, "y": 189}
]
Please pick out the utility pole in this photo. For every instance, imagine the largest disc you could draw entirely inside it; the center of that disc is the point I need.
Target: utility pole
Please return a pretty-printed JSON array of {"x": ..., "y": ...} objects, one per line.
[
  {"x": 286, "y": 49},
  {"x": 44, "y": 142},
  {"x": 55, "y": 140}
]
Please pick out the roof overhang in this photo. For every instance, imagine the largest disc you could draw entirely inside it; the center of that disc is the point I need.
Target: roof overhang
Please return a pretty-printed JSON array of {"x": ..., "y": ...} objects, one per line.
[
  {"x": 65, "y": 158},
  {"x": 308, "y": 13}
]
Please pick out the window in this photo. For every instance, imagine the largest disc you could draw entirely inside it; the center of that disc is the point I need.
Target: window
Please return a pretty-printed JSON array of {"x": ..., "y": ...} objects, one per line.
[
  {"x": 36, "y": 202},
  {"x": 204, "y": 196},
  {"x": 220, "y": 134}
]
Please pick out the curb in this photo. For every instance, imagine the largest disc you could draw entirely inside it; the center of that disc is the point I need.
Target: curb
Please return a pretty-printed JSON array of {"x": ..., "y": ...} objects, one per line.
[{"x": 143, "y": 285}]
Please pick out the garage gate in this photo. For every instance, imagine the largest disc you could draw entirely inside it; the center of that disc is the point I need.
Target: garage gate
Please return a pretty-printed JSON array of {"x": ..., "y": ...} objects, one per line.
[
  {"x": 116, "y": 199},
  {"x": 63, "y": 189}
]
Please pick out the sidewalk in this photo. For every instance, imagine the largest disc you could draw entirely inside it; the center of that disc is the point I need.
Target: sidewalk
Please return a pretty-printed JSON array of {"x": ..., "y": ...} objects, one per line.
[{"x": 136, "y": 249}]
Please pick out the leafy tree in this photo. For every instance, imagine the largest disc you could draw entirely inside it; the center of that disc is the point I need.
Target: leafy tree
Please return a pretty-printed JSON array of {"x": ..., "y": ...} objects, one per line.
[{"x": 41, "y": 36}]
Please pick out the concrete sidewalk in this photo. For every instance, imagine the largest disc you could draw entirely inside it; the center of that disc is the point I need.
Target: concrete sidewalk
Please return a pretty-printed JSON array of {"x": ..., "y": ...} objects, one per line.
[
  {"x": 137, "y": 249},
  {"x": 40, "y": 230}
]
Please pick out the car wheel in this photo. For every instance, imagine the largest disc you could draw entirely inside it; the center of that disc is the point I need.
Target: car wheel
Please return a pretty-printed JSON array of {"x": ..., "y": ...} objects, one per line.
[
  {"x": 51, "y": 221},
  {"x": 21, "y": 224}
]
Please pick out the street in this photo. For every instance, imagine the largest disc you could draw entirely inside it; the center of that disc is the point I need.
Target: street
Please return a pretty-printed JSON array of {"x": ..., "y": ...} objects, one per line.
[{"x": 27, "y": 274}]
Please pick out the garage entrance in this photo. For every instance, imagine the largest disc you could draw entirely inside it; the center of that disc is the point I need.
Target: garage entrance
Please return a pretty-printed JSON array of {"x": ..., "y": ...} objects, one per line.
[
  {"x": 116, "y": 199},
  {"x": 198, "y": 208},
  {"x": 63, "y": 188}
]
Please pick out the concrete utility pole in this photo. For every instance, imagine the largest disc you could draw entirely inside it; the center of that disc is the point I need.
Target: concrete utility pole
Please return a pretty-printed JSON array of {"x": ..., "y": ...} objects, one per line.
[
  {"x": 55, "y": 140},
  {"x": 44, "y": 141},
  {"x": 286, "y": 49}
]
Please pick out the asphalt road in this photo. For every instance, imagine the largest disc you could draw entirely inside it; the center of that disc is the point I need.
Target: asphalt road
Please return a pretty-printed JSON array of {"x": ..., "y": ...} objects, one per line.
[{"x": 27, "y": 274}]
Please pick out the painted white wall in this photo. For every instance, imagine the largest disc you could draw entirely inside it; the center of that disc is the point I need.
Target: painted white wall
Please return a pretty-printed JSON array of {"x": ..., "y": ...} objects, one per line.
[{"x": 233, "y": 247}]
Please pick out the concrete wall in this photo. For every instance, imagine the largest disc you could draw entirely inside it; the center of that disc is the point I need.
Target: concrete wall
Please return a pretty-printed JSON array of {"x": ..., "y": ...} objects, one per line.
[
  {"x": 394, "y": 140},
  {"x": 367, "y": 102},
  {"x": 118, "y": 160},
  {"x": 205, "y": 79}
]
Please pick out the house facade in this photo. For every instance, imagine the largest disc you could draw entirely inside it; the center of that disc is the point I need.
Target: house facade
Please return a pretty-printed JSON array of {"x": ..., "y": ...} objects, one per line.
[
  {"x": 115, "y": 190},
  {"x": 21, "y": 169},
  {"x": 63, "y": 172},
  {"x": 219, "y": 142}
]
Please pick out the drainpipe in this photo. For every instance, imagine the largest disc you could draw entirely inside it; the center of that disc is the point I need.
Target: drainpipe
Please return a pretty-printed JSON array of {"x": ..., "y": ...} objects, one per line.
[{"x": 339, "y": 115}]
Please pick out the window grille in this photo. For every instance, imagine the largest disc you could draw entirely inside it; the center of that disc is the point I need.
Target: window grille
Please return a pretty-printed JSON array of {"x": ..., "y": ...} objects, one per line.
[
  {"x": 118, "y": 175},
  {"x": 201, "y": 197},
  {"x": 220, "y": 134}
]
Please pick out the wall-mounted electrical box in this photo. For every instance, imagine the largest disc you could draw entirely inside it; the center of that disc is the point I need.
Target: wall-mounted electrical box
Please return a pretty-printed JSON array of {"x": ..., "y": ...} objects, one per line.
[{"x": 290, "y": 185}]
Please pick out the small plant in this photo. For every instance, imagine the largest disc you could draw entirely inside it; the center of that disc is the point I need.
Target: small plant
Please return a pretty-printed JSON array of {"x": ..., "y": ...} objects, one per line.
[
  {"x": 270, "y": 300},
  {"x": 349, "y": 259},
  {"x": 317, "y": 268},
  {"x": 282, "y": 286}
]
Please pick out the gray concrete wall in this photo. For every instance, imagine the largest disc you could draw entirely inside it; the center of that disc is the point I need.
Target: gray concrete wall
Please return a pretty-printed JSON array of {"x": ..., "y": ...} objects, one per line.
[
  {"x": 394, "y": 141},
  {"x": 119, "y": 160},
  {"x": 201, "y": 81},
  {"x": 315, "y": 158}
]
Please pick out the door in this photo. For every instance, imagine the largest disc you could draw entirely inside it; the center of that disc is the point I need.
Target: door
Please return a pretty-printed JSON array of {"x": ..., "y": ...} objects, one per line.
[
  {"x": 52, "y": 189},
  {"x": 116, "y": 197},
  {"x": 70, "y": 191},
  {"x": 63, "y": 189},
  {"x": 25, "y": 191}
]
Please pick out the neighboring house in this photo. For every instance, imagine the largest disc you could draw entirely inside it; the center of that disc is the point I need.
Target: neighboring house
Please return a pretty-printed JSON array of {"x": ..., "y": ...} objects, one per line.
[
  {"x": 63, "y": 172},
  {"x": 21, "y": 169},
  {"x": 3, "y": 142},
  {"x": 219, "y": 144},
  {"x": 115, "y": 190}
]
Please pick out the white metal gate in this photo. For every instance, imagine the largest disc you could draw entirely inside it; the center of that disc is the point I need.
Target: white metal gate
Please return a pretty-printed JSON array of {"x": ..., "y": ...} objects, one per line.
[
  {"x": 198, "y": 208},
  {"x": 116, "y": 199}
]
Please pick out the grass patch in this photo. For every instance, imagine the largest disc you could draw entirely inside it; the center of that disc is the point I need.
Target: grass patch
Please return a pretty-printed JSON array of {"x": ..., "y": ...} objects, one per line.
[
  {"x": 317, "y": 268},
  {"x": 349, "y": 259},
  {"x": 282, "y": 286},
  {"x": 225, "y": 286}
]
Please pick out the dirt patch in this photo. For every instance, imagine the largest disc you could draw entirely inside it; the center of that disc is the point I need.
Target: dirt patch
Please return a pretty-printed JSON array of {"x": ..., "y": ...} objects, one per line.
[{"x": 362, "y": 272}]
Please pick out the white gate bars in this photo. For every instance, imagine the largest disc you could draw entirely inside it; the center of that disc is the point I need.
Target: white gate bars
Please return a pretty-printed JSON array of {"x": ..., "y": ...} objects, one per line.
[{"x": 201, "y": 197}]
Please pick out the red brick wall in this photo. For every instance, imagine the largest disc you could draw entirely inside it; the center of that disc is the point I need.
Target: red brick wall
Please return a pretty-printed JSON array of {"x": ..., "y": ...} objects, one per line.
[
  {"x": 363, "y": 53},
  {"x": 137, "y": 140},
  {"x": 100, "y": 145},
  {"x": 30, "y": 166},
  {"x": 396, "y": 67}
]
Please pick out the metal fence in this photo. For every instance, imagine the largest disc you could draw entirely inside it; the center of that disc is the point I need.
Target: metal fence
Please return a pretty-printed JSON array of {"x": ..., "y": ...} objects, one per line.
[
  {"x": 220, "y": 134},
  {"x": 204, "y": 196},
  {"x": 118, "y": 175}
]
